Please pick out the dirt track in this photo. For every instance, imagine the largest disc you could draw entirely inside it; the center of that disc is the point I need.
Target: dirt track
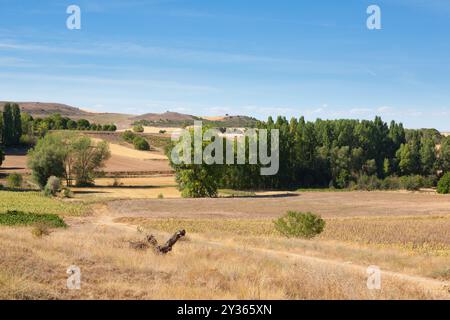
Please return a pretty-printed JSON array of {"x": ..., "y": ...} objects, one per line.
[{"x": 437, "y": 288}]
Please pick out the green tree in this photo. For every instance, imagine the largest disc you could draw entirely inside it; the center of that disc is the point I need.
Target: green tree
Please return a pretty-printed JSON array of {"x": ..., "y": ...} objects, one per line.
[
  {"x": 85, "y": 158},
  {"x": 17, "y": 124},
  {"x": 138, "y": 128},
  {"x": 2, "y": 156},
  {"x": 428, "y": 156},
  {"x": 48, "y": 158},
  {"x": 71, "y": 124},
  {"x": 370, "y": 167},
  {"x": 196, "y": 180},
  {"x": 8, "y": 125},
  {"x": 141, "y": 144},
  {"x": 83, "y": 124},
  {"x": 27, "y": 124},
  {"x": 444, "y": 184},
  {"x": 409, "y": 155},
  {"x": 444, "y": 155},
  {"x": 68, "y": 156}
]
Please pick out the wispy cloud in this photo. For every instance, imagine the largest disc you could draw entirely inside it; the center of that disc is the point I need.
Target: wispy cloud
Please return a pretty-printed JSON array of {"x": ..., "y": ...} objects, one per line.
[{"x": 86, "y": 80}]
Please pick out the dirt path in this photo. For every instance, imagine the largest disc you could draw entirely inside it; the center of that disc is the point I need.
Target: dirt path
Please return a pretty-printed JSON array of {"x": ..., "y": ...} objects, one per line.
[{"x": 440, "y": 288}]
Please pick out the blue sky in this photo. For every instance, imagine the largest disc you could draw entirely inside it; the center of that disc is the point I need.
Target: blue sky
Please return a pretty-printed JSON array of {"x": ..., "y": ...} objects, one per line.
[{"x": 253, "y": 57}]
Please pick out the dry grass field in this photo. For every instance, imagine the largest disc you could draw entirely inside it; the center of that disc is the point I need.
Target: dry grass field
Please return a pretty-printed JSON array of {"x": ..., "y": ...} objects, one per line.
[{"x": 233, "y": 252}]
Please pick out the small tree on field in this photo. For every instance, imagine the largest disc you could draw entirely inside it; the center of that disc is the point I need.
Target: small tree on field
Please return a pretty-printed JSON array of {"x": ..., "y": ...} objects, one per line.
[
  {"x": 128, "y": 136},
  {"x": 85, "y": 158},
  {"x": 138, "y": 128},
  {"x": 48, "y": 158},
  {"x": 141, "y": 144}
]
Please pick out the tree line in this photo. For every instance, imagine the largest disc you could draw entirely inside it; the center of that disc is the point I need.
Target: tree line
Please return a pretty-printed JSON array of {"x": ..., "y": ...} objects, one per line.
[
  {"x": 328, "y": 153},
  {"x": 15, "y": 125},
  {"x": 40, "y": 126}
]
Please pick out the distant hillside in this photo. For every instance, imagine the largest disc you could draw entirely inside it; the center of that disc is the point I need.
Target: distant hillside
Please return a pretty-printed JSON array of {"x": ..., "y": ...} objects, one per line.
[
  {"x": 125, "y": 121},
  {"x": 174, "y": 119},
  {"x": 41, "y": 109},
  {"x": 165, "y": 117}
]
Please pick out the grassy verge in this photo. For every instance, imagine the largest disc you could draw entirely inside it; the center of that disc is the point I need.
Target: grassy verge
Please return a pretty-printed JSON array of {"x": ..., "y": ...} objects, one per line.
[
  {"x": 35, "y": 202},
  {"x": 18, "y": 218}
]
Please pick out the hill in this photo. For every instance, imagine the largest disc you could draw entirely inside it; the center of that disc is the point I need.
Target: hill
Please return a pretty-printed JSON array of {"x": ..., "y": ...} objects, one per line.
[
  {"x": 125, "y": 121},
  {"x": 40, "y": 109}
]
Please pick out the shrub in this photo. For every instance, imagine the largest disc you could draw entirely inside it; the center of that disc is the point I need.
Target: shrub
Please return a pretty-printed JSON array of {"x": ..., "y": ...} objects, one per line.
[
  {"x": 53, "y": 186},
  {"x": 429, "y": 181},
  {"x": 444, "y": 184},
  {"x": 300, "y": 225},
  {"x": 141, "y": 144},
  {"x": 27, "y": 140},
  {"x": 162, "y": 131},
  {"x": 66, "y": 193},
  {"x": 412, "y": 183},
  {"x": 128, "y": 136},
  {"x": 160, "y": 196},
  {"x": 391, "y": 183},
  {"x": 40, "y": 229},
  {"x": 138, "y": 128},
  {"x": 14, "y": 181},
  {"x": 368, "y": 183}
]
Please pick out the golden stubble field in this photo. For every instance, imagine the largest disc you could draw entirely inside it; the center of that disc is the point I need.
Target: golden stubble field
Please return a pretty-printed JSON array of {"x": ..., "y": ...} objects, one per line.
[{"x": 233, "y": 252}]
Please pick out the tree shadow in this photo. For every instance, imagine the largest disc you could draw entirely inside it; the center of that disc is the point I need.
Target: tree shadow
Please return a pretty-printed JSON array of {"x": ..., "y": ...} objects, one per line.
[{"x": 267, "y": 196}]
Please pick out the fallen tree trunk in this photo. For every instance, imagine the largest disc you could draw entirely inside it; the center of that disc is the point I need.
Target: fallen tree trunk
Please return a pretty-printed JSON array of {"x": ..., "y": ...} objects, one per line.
[
  {"x": 171, "y": 242},
  {"x": 151, "y": 242}
]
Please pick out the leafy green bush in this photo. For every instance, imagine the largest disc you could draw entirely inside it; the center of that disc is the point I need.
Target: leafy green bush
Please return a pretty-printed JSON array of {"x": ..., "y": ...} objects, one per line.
[
  {"x": 300, "y": 225},
  {"x": 429, "y": 181},
  {"x": 14, "y": 181},
  {"x": 412, "y": 183},
  {"x": 391, "y": 183},
  {"x": 138, "y": 128},
  {"x": 368, "y": 183},
  {"x": 14, "y": 218},
  {"x": 128, "y": 136},
  {"x": 53, "y": 186},
  {"x": 141, "y": 144},
  {"x": 444, "y": 184}
]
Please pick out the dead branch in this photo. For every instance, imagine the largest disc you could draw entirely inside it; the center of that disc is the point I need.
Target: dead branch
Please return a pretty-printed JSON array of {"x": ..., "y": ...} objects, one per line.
[
  {"x": 171, "y": 242},
  {"x": 151, "y": 242}
]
